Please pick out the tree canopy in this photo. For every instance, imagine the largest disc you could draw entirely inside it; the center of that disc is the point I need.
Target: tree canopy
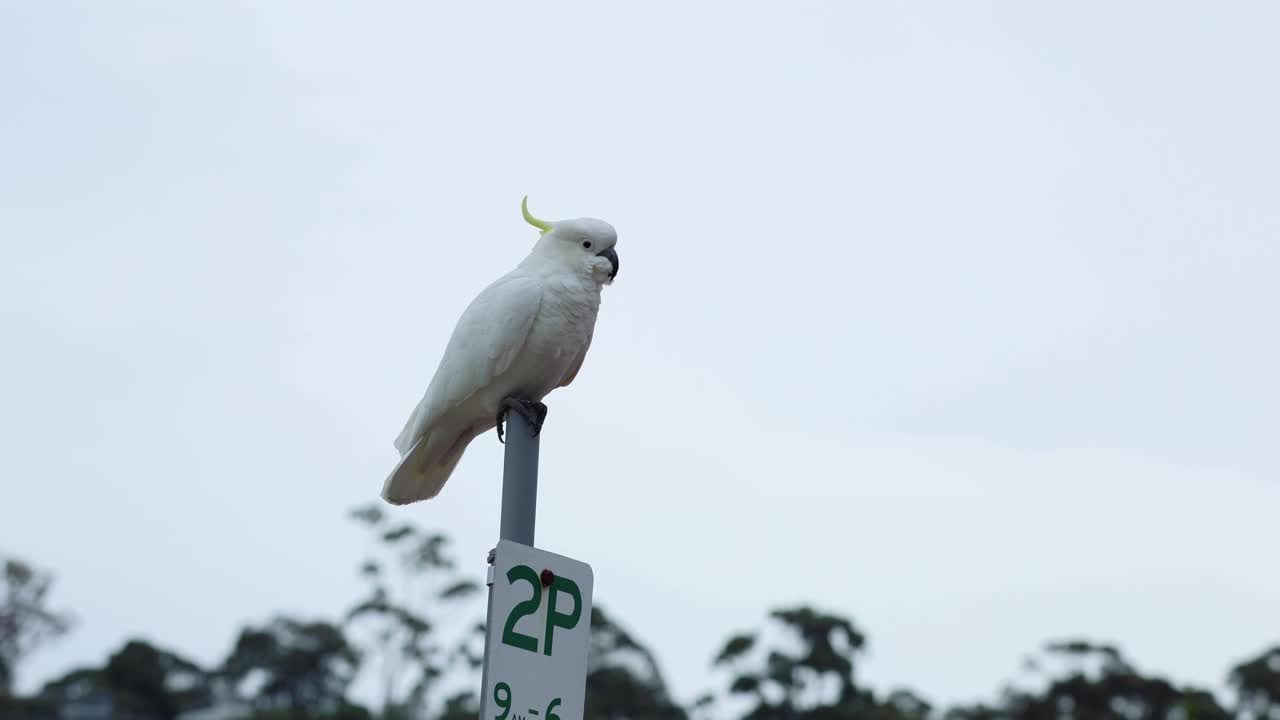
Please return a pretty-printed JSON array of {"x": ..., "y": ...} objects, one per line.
[{"x": 417, "y": 628}]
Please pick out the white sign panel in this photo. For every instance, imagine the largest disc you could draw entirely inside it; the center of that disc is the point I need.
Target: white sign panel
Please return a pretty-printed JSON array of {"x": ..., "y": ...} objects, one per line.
[{"x": 539, "y": 634}]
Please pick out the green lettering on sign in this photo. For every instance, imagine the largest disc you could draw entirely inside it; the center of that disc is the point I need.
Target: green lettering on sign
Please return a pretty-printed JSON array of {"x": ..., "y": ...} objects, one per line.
[
  {"x": 558, "y": 619},
  {"x": 555, "y": 619},
  {"x": 502, "y": 696},
  {"x": 528, "y": 607}
]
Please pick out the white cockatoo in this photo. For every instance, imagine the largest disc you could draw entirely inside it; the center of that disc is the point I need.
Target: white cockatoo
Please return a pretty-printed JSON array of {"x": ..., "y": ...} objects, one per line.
[{"x": 522, "y": 337}]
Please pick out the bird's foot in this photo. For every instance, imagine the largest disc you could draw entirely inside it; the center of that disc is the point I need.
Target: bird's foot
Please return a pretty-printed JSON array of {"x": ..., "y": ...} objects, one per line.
[{"x": 534, "y": 413}]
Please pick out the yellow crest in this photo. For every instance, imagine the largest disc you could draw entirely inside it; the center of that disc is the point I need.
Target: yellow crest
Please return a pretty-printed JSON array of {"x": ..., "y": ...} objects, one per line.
[{"x": 542, "y": 225}]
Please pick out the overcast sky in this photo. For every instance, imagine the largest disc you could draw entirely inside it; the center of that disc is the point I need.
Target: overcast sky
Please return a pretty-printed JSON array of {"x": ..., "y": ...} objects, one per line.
[{"x": 959, "y": 319}]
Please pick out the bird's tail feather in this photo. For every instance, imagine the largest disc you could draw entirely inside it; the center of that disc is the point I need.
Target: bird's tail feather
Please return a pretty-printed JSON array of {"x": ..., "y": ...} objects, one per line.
[
  {"x": 405, "y": 440},
  {"x": 419, "y": 476}
]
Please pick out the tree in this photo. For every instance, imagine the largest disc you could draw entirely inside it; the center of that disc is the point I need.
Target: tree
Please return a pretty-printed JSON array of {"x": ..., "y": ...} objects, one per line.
[
  {"x": 138, "y": 681},
  {"x": 1096, "y": 682},
  {"x": 299, "y": 669},
  {"x": 25, "y": 621},
  {"x": 409, "y": 570},
  {"x": 461, "y": 706},
  {"x": 808, "y": 674},
  {"x": 623, "y": 679},
  {"x": 156, "y": 682},
  {"x": 1257, "y": 685},
  {"x": 813, "y": 680}
]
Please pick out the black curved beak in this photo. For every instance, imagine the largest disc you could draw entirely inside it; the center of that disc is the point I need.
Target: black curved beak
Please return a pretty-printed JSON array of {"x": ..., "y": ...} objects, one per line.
[{"x": 613, "y": 260}]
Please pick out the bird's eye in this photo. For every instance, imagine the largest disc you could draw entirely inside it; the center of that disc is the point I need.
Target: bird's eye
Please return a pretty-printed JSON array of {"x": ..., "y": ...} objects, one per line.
[{"x": 586, "y": 244}]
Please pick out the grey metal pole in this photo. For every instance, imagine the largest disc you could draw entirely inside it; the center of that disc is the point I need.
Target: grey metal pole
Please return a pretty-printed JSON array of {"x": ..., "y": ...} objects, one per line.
[
  {"x": 519, "y": 510},
  {"x": 519, "y": 481}
]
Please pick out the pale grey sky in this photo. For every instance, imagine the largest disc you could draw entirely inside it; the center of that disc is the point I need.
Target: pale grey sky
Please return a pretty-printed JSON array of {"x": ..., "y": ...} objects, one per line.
[{"x": 955, "y": 318}]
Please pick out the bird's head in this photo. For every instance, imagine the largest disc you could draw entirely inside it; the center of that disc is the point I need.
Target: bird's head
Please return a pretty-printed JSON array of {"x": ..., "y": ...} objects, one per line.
[{"x": 586, "y": 243}]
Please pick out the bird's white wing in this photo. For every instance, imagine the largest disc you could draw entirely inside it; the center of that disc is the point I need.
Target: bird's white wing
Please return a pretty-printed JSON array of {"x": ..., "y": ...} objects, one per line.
[
  {"x": 488, "y": 338},
  {"x": 577, "y": 363}
]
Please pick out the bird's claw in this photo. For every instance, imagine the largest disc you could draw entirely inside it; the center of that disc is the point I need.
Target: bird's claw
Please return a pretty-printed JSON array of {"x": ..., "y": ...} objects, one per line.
[{"x": 535, "y": 413}]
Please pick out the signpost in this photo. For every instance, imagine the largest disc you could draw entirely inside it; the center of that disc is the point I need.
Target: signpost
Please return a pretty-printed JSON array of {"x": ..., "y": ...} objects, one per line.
[{"x": 538, "y": 631}]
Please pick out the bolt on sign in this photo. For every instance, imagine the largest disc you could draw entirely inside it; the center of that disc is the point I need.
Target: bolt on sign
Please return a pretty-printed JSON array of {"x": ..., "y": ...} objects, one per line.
[{"x": 539, "y": 634}]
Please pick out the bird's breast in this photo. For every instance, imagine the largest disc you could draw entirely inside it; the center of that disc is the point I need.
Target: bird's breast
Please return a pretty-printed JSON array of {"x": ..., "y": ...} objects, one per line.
[
  {"x": 565, "y": 322},
  {"x": 557, "y": 339}
]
